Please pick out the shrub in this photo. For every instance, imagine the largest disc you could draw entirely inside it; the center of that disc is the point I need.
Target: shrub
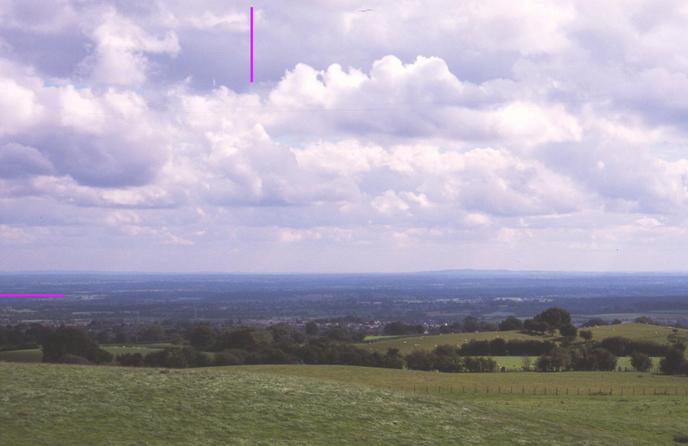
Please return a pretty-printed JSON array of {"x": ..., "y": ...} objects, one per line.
[
  {"x": 130, "y": 359},
  {"x": 228, "y": 358},
  {"x": 73, "y": 359}
]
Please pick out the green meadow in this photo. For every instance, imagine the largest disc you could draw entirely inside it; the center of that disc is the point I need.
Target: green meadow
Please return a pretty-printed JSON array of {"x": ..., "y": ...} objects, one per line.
[
  {"x": 35, "y": 354},
  {"x": 49, "y": 404},
  {"x": 634, "y": 331}
]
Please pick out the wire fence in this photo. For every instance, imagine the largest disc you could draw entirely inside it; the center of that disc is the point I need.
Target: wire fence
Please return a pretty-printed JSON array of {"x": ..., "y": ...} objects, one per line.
[{"x": 545, "y": 390}]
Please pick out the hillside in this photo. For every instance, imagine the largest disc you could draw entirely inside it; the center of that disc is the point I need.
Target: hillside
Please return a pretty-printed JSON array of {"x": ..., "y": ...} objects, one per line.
[
  {"x": 61, "y": 404},
  {"x": 635, "y": 331}
]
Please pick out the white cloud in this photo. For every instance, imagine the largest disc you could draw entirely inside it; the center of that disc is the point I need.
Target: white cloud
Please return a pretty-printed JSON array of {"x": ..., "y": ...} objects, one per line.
[
  {"x": 120, "y": 50},
  {"x": 503, "y": 128}
]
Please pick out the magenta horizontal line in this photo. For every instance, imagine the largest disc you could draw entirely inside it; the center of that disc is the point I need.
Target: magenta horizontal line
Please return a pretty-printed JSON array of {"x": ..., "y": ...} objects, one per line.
[{"x": 30, "y": 295}]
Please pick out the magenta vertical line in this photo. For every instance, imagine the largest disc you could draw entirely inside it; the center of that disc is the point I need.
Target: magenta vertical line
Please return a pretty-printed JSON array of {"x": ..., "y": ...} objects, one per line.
[{"x": 251, "y": 43}]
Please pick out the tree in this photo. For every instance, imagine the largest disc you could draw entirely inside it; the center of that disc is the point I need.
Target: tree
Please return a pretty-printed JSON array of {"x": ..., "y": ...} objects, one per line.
[
  {"x": 202, "y": 337},
  {"x": 526, "y": 363},
  {"x": 603, "y": 359},
  {"x": 511, "y": 323},
  {"x": 568, "y": 331},
  {"x": 471, "y": 324},
  {"x": 533, "y": 326},
  {"x": 312, "y": 328},
  {"x": 595, "y": 322},
  {"x": 556, "y": 360},
  {"x": 585, "y": 334},
  {"x": 400, "y": 328},
  {"x": 641, "y": 362},
  {"x": 674, "y": 362},
  {"x": 420, "y": 360},
  {"x": 151, "y": 333},
  {"x": 554, "y": 317},
  {"x": 72, "y": 341}
]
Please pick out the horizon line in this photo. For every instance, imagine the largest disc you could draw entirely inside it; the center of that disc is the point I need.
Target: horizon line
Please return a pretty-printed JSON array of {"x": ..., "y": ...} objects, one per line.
[{"x": 449, "y": 270}]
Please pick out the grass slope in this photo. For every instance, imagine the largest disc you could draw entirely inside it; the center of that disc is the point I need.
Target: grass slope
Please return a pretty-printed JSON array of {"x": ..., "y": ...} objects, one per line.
[{"x": 44, "y": 404}]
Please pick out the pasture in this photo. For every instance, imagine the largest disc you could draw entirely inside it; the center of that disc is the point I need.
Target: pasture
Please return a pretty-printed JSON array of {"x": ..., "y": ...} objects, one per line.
[
  {"x": 42, "y": 404},
  {"x": 35, "y": 354},
  {"x": 407, "y": 344}
]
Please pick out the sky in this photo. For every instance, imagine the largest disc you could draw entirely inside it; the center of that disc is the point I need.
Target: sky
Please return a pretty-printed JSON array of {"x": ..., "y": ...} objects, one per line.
[{"x": 378, "y": 136}]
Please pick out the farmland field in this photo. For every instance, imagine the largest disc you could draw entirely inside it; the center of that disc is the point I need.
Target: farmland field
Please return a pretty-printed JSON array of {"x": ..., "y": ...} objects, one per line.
[
  {"x": 35, "y": 354},
  {"x": 409, "y": 343},
  {"x": 62, "y": 404},
  {"x": 634, "y": 331},
  {"x": 640, "y": 332},
  {"x": 515, "y": 363}
]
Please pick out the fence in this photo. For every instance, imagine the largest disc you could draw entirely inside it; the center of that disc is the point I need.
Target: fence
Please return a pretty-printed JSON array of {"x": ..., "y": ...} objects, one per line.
[{"x": 544, "y": 390}]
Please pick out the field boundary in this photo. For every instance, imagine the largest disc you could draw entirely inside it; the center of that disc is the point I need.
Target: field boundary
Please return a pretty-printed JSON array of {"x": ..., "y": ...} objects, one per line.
[{"x": 438, "y": 389}]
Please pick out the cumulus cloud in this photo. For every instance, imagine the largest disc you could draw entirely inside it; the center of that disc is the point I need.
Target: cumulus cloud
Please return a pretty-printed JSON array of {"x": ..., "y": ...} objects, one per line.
[{"x": 505, "y": 131}]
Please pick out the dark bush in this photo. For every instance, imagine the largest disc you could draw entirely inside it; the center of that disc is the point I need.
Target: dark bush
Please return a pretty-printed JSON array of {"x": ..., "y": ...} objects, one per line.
[
  {"x": 641, "y": 362},
  {"x": 227, "y": 358},
  {"x": 621, "y": 346},
  {"x": 130, "y": 359},
  {"x": 73, "y": 359},
  {"x": 72, "y": 341},
  {"x": 511, "y": 323},
  {"x": 674, "y": 362}
]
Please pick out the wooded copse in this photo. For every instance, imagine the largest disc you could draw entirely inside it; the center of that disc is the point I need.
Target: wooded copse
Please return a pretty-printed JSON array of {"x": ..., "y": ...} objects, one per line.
[{"x": 202, "y": 345}]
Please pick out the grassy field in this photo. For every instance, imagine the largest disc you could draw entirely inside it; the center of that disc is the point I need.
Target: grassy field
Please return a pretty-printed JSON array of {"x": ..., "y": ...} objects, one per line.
[
  {"x": 515, "y": 363},
  {"x": 35, "y": 355},
  {"x": 641, "y": 332},
  {"x": 407, "y": 344},
  {"x": 411, "y": 343},
  {"x": 45, "y": 404}
]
